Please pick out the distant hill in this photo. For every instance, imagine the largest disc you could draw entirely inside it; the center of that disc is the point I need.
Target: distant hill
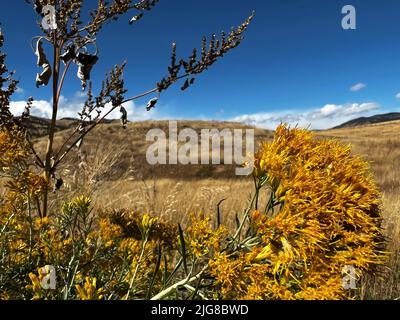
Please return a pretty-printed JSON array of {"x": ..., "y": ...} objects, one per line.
[
  {"x": 370, "y": 120},
  {"x": 39, "y": 127},
  {"x": 117, "y": 151}
]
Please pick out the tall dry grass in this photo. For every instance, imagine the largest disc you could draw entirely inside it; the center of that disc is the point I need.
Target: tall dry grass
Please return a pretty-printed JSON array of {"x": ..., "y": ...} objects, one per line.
[
  {"x": 113, "y": 176},
  {"x": 380, "y": 145},
  {"x": 175, "y": 199}
]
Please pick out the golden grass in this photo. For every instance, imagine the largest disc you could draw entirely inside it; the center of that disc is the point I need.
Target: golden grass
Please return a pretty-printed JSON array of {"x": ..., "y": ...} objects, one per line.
[
  {"x": 380, "y": 145},
  {"x": 175, "y": 198},
  {"x": 173, "y": 192}
]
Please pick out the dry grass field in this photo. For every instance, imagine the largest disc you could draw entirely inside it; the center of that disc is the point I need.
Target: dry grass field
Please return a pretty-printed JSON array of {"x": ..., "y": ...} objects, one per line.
[
  {"x": 380, "y": 145},
  {"x": 173, "y": 192},
  {"x": 116, "y": 176}
]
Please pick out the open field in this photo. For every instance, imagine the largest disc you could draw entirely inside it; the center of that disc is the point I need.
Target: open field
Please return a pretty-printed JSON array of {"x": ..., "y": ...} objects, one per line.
[
  {"x": 117, "y": 176},
  {"x": 380, "y": 145},
  {"x": 175, "y": 191}
]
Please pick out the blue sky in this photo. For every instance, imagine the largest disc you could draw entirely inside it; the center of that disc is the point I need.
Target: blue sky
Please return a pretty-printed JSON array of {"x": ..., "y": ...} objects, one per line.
[{"x": 296, "y": 64}]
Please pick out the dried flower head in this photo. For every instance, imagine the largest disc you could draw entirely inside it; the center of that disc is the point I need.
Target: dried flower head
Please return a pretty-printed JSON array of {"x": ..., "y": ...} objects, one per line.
[{"x": 216, "y": 49}]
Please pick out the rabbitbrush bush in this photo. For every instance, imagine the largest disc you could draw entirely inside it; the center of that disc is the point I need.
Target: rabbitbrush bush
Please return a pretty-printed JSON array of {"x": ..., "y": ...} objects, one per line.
[{"x": 322, "y": 214}]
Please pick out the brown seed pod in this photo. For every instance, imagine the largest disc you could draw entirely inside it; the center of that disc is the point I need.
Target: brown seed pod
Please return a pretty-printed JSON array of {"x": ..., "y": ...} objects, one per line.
[
  {"x": 85, "y": 64},
  {"x": 185, "y": 85},
  {"x": 69, "y": 54},
  {"x": 124, "y": 117},
  {"x": 136, "y": 18},
  {"x": 152, "y": 104},
  {"x": 58, "y": 184}
]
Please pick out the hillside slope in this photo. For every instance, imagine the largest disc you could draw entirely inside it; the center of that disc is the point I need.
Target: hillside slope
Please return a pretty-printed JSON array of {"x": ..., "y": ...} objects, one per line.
[
  {"x": 380, "y": 118},
  {"x": 116, "y": 152},
  {"x": 116, "y": 176},
  {"x": 39, "y": 127}
]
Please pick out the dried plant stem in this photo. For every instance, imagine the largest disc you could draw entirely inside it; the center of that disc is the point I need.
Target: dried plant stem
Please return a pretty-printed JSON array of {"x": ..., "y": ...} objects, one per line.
[
  {"x": 32, "y": 148},
  {"x": 57, "y": 162},
  {"x": 62, "y": 80},
  {"x": 190, "y": 288},
  {"x": 137, "y": 268},
  {"x": 245, "y": 217},
  {"x": 48, "y": 167},
  {"x": 181, "y": 283}
]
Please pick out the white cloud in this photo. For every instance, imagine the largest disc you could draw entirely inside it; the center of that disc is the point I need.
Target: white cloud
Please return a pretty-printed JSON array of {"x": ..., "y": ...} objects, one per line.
[
  {"x": 69, "y": 108},
  {"x": 328, "y": 116},
  {"x": 398, "y": 96},
  {"x": 43, "y": 108},
  {"x": 40, "y": 108},
  {"x": 357, "y": 87}
]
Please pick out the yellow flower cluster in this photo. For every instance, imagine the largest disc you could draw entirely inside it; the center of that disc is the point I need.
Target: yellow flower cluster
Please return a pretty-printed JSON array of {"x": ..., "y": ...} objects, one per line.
[
  {"x": 323, "y": 215},
  {"x": 228, "y": 272},
  {"x": 109, "y": 233},
  {"x": 36, "y": 285},
  {"x": 147, "y": 224},
  {"x": 202, "y": 238},
  {"x": 11, "y": 148},
  {"x": 89, "y": 290},
  {"x": 75, "y": 241}
]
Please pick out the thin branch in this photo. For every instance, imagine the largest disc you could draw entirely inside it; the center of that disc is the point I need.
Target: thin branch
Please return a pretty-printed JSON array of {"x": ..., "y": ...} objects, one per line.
[
  {"x": 62, "y": 80},
  {"x": 41, "y": 164},
  {"x": 153, "y": 90},
  {"x": 66, "y": 142},
  {"x": 140, "y": 96},
  {"x": 57, "y": 162},
  {"x": 103, "y": 21},
  {"x": 58, "y": 96},
  {"x": 181, "y": 283},
  {"x": 50, "y": 140},
  {"x": 194, "y": 290},
  {"x": 59, "y": 159}
]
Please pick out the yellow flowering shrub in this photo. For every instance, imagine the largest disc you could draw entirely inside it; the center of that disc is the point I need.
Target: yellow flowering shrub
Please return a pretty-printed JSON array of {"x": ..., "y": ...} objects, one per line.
[
  {"x": 202, "y": 237},
  {"x": 322, "y": 217},
  {"x": 89, "y": 291},
  {"x": 95, "y": 254}
]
